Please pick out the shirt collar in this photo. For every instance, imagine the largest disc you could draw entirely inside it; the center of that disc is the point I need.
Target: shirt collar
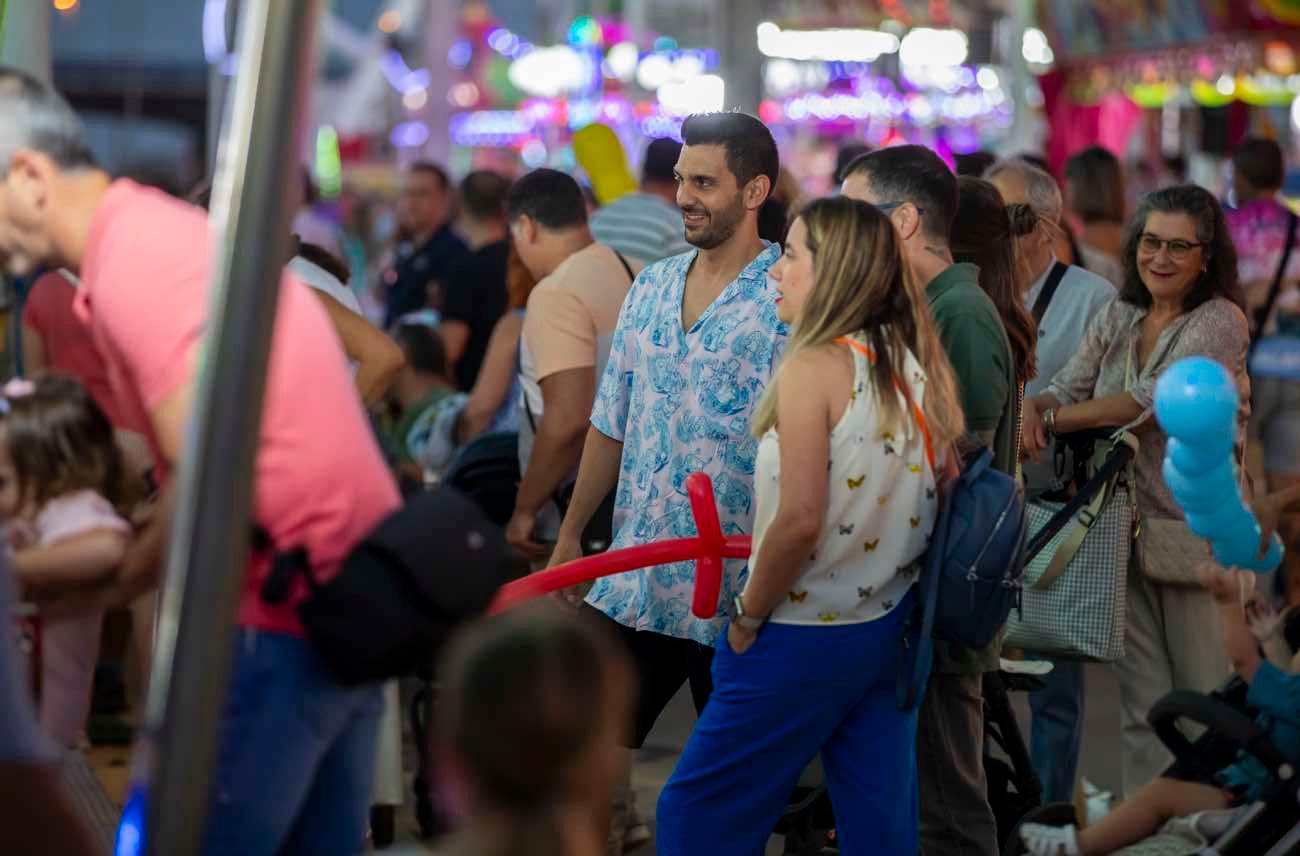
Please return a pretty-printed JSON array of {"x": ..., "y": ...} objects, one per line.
[{"x": 950, "y": 277}]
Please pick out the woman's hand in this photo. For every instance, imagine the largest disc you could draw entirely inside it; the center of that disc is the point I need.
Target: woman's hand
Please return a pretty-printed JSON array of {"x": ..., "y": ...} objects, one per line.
[
  {"x": 1227, "y": 585},
  {"x": 739, "y": 638},
  {"x": 1033, "y": 435}
]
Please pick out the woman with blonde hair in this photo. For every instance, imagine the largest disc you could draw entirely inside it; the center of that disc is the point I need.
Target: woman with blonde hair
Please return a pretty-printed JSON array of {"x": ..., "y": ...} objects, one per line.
[{"x": 852, "y": 431}]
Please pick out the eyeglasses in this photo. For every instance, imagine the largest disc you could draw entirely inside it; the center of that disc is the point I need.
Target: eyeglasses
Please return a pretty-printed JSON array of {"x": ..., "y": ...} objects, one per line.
[
  {"x": 890, "y": 206},
  {"x": 1178, "y": 248}
]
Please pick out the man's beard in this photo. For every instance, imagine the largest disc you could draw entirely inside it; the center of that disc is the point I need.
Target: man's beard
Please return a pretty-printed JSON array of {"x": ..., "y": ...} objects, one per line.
[{"x": 718, "y": 228}]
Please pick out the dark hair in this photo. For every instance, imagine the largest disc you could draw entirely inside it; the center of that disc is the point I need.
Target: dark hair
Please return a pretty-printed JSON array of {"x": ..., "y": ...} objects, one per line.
[
  {"x": 432, "y": 169},
  {"x": 773, "y": 220},
  {"x": 549, "y": 197},
  {"x": 60, "y": 441},
  {"x": 1218, "y": 279},
  {"x": 912, "y": 174},
  {"x": 321, "y": 257},
  {"x": 982, "y": 235},
  {"x": 975, "y": 163},
  {"x": 483, "y": 195},
  {"x": 660, "y": 161},
  {"x": 523, "y": 700},
  {"x": 38, "y": 118},
  {"x": 1259, "y": 162},
  {"x": 845, "y": 155},
  {"x": 1096, "y": 181},
  {"x": 751, "y": 151},
  {"x": 422, "y": 348}
]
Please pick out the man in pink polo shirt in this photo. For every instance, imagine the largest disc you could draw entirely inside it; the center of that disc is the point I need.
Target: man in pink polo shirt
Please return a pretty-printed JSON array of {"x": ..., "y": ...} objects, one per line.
[{"x": 297, "y": 748}]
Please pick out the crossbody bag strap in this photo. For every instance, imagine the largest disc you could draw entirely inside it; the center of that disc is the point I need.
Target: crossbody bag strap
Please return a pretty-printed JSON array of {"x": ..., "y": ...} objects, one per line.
[
  {"x": 1083, "y": 522},
  {"x": 1275, "y": 288},
  {"x": 1058, "y": 272}
]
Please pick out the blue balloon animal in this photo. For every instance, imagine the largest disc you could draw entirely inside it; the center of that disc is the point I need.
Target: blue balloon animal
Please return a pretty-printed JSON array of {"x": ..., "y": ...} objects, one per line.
[{"x": 1196, "y": 403}]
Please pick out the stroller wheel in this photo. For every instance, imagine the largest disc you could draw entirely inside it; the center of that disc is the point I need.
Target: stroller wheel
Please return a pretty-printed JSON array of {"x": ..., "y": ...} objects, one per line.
[{"x": 1053, "y": 814}]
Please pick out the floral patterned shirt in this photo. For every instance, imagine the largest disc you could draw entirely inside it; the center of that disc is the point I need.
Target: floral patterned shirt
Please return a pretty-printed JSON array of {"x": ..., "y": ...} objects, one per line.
[{"x": 680, "y": 402}]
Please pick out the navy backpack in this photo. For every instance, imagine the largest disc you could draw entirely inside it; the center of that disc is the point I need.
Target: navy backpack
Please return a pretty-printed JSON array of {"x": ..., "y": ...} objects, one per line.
[{"x": 971, "y": 572}]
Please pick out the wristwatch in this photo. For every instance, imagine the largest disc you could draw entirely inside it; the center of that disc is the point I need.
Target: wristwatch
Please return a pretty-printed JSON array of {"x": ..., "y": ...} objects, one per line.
[
  {"x": 743, "y": 621},
  {"x": 1049, "y": 422}
]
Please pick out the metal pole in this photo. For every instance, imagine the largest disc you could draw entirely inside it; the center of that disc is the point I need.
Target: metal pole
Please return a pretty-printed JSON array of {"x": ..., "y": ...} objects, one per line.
[
  {"x": 25, "y": 36},
  {"x": 209, "y": 544}
]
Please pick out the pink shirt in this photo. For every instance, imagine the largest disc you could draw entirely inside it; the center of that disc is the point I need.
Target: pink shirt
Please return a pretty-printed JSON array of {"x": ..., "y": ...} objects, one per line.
[
  {"x": 320, "y": 481},
  {"x": 75, "y": 514}
]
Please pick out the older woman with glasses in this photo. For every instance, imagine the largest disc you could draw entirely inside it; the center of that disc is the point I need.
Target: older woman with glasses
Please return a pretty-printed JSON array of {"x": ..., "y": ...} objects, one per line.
[{"x": 1180, "y": 298}]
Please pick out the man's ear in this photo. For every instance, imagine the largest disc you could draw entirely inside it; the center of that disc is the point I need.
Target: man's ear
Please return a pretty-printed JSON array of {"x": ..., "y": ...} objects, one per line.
[
  {"x": 30, "y": 179},
  {"x": 757, "y": 192},
  {"x": 527, "y": 227},
  {"x": 907, "y": 219}
]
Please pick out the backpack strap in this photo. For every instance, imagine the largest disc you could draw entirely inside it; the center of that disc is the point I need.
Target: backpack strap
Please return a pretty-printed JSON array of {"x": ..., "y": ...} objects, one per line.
[
  {"x": 1058, "y": 272},
  {"x": 916, "y": 411}
]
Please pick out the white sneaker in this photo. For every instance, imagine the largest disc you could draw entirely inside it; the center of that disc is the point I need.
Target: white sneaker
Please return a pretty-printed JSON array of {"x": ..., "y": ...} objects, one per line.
[
  {"x": 1043, "y": 840},
  {"x": 1097, "y": 803}
]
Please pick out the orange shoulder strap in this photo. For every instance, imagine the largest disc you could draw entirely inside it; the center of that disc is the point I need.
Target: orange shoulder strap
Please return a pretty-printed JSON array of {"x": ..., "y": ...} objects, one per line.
[{"x": 863, "y": 349}]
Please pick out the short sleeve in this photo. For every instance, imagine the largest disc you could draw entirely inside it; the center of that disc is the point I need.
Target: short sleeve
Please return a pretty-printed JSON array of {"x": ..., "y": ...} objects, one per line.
[
  {"x": 1276, "y": 693},
  {"x": 1077, "y": 380},
  {"x": 560, "y": 332},
  {"x": 609, "y": 412},
  {"x": 1217, "y": 330},
  {"x": 979, "y": 358},
  {"x": 80, "y": 512}
]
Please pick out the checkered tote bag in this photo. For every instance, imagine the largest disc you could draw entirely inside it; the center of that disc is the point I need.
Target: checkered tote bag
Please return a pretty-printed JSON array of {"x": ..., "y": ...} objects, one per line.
[{"x": 1075, "y": 582}]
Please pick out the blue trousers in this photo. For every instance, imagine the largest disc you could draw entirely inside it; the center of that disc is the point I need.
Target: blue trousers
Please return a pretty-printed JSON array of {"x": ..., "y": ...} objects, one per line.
[
  {"x": 798, "y": 691},
  {"x": 297, "y": 755},
  {"x": 1056, "y": 730}
]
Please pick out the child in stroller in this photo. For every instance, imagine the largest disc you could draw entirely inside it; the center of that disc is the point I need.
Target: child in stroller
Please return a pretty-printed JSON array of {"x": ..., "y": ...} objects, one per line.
[{"x": 1185, "y": 789}]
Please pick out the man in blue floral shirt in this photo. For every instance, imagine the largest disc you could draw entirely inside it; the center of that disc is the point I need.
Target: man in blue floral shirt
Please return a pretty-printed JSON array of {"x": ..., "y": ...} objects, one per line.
[{"x": 695, "y": 345}]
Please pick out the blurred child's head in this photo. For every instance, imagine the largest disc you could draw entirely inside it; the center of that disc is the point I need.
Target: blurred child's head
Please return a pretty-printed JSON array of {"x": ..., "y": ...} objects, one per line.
[
  {"x": 54, "y": 440},
  {"x": 535, "y": 708}
]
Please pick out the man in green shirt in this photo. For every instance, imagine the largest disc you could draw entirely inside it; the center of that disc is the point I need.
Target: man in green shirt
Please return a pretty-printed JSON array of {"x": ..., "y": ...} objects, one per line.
[{"x": 919, "y": 193}]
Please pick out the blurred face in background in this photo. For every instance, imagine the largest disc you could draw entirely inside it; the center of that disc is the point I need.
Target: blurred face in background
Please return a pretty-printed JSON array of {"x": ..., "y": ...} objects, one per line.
[{"x": 424, "y": 204}]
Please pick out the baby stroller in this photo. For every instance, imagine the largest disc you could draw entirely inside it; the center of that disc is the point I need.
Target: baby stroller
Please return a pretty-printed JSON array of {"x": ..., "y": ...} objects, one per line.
[{"x": 1267, "y": 827}]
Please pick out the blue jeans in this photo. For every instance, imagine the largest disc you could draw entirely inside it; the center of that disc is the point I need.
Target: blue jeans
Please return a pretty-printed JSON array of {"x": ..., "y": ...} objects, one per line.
[
  {"x": 297, "y": 754},
  {"x": 798, "y": 691},
  {"x": 1057, "y": 730}
]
